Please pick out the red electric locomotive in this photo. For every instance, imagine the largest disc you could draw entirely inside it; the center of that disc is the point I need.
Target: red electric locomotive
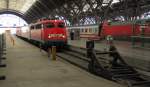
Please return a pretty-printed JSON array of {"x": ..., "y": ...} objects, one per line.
[
  {"x": 46, "y": 32},
  {"x": 124, "y": 30},
  {"x": 49, "y": 32}
]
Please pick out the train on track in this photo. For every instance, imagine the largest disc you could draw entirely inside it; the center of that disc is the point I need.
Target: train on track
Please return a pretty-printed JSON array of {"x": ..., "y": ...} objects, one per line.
[
  {"x": 45, "y": 32},
  {"x": 118, "y": 29}
]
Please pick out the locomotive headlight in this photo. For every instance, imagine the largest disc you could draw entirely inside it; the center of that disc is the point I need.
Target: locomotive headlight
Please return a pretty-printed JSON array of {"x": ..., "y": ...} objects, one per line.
[
  {"x": 49, "y": 36},
  {"x": 63, "y": 36}
]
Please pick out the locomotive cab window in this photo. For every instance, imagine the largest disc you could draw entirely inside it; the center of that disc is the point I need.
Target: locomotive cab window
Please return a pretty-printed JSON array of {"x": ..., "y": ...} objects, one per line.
[
  {"x": 49, "y": 25},
  {"x": 61, "y": 25}
]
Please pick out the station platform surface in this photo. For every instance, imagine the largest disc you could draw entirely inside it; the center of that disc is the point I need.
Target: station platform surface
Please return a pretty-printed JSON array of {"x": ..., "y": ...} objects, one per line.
[
  {"x": 28, "y": 67},
  {"x": 137, "y": 57}
]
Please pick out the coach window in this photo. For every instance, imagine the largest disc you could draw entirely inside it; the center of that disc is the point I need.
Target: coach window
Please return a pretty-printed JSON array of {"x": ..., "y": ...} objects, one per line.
[
  {"x": 32, "y": 27},
  {"x": 96, "y": 30},
  {"x": 93, "y": 30},
  {"x": 90, "y": 30},
  {"x": 83, "y": 30},
  {"x": 80, "y": 30},
  {"x": 38, "y": 26},
  {"x": 61, "y": 25},
  {"x": 86, "y": 30},
  {"x": 49, "y": 25}
]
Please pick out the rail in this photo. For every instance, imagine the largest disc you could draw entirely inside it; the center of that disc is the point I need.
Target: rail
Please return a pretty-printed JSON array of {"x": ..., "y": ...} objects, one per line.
[{"x": 110, "y": 64}]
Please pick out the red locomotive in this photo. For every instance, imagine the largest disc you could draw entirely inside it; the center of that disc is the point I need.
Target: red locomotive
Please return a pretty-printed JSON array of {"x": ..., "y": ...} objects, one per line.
[
  {"x": 124, "y": 30},
  {"x": 45, "y": 32}
]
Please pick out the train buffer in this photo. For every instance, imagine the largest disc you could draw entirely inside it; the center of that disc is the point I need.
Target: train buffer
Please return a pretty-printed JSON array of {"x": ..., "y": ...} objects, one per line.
[{"x": 110, "y": 65}]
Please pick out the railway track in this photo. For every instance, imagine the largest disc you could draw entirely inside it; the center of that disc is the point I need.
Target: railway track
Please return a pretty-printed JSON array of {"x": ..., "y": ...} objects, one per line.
[
  {"x": 76, "y": 56},
  {"x": 107, "y": 64},
  {"x": 123, "y": 74}
]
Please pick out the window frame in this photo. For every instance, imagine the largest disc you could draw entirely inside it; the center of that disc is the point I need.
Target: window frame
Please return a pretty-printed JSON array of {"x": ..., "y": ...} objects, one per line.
[
  {"x": 45, "y": 25},
  {"x": 32, "y": 27},
  {"x": 38, "y": 26},
  {"x": 62, "y": 25}
]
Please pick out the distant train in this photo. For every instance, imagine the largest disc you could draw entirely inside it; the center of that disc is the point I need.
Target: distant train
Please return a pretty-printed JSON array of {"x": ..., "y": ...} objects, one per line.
[
  {"x": 45, "y": 32},
  {"x": 119, "y": 30},
  {"x": 90, "y": 31}
]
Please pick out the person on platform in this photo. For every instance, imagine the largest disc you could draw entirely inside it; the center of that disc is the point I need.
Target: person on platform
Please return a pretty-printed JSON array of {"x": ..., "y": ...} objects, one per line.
[
  {"x": 109, "y": 39},
  {"x": 72, "y": 35}
]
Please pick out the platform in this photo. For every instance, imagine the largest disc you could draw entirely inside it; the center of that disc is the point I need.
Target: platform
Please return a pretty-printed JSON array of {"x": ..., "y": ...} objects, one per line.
[
  {"x": 139, "y": 58},
  {"x": 28, "y": 67}
]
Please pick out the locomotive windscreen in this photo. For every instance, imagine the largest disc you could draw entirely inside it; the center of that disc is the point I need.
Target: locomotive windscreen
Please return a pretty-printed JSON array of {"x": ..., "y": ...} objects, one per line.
[
  {"x": 49, "y": 25},
  {"x": 61, "y": 25}
]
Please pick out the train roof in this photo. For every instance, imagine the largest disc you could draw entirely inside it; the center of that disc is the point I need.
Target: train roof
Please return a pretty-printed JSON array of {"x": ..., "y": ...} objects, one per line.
[
  {"x": 140, "y": 21},
  {"x": 83, "y": 26},
  {"x": 46, "y": 21}
]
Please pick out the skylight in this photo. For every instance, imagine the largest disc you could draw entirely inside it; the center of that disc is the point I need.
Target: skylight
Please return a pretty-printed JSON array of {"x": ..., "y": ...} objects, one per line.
[
  {"x": 115, "y": 1},
  {"x": 107, "y": 1},
  {"x": 27, "y": 5}
]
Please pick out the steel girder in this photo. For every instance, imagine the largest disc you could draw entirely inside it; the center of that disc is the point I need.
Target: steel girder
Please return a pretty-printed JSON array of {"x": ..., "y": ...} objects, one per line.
[
  {"x": 77, "y": 11},
  {"x": 42, "y": 8},
  {"x": 130, "y": 8},
  {"x": 82, "y": 9}
]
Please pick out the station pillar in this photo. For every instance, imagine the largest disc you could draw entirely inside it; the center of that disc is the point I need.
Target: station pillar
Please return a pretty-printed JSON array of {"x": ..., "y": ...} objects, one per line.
[
  {"x": 142, "y": 29},
  {"x": 52, "y": 52}
]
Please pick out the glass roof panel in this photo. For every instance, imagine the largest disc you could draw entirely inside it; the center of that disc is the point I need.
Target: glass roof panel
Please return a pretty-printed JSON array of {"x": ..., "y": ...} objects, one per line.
[
  {"x": 105, "y": 2},
  {"x": 24, "y": 5},
  {"x": 27, "y": 5},
  {"x": 2, "y": 4},
  {"x": 18, "y": 5},
  {"x": 115, "y": 1}
]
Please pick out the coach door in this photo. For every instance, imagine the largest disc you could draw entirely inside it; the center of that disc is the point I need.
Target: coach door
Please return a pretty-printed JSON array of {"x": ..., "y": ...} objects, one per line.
[{"x": 77, "y": 34}]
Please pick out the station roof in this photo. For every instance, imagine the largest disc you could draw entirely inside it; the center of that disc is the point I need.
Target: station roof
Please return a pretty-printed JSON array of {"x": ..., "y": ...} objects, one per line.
[
  {"x": 72, "y": 9},
  {"x": 18, "y": 5}
]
